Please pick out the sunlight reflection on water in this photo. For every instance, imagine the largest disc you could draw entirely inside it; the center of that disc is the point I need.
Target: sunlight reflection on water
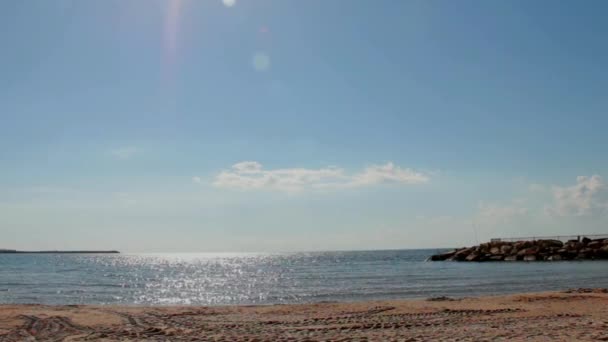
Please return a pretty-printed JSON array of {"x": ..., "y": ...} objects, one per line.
[{"x": 260, "y": 278}]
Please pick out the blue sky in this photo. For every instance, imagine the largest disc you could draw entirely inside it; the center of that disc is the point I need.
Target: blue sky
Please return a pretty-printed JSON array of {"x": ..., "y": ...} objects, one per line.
[{"x": 183, "y": 125}]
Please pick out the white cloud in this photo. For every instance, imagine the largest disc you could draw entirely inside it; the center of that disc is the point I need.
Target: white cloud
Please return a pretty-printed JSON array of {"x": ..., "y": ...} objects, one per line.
[
  {"x": 197, "y": 180},
  {"x": 388, "y": 173},
  {"x": 247, "y": 167},
  {"x": 587, "y": 197},
  {"x": 124, "y": 152},
  {"x": 250, "y": 175}
]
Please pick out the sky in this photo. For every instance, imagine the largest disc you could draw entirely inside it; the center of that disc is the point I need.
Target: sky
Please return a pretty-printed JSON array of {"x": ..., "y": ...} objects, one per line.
[{"x": 285, "y": 125}]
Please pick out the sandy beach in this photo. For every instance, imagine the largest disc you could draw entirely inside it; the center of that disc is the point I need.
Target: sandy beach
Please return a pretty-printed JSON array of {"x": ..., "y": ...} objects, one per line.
[{"x": 572, "y": 315}]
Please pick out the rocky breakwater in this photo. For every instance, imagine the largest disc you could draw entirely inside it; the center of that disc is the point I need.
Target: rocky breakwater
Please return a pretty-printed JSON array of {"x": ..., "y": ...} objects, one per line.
[{"x": 534, "y": 250}]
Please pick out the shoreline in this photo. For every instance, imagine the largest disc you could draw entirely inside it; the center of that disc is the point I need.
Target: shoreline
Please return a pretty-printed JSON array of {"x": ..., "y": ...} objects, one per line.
[{"x": 566, "y": 315}]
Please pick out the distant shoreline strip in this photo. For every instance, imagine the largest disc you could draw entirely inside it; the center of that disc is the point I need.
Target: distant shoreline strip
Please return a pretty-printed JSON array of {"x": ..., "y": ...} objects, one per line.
[{"x": 12, "y": 251}]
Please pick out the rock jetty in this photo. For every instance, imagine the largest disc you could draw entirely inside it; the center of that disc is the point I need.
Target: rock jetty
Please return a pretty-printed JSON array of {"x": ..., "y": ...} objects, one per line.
[
  {"x": 14, "y": 251},
  {"x": 533, "y": 250}
]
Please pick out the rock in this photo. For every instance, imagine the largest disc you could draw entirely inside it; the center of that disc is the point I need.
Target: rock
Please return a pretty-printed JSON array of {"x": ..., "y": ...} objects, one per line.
[
  {"x": 550, "y": 243},
  {"x": 463, "y": 253},
  {"x": 484, "y": 248},
  {"x": 496, "y": 243},
  {"x": 473, "y": 257},
  {"x": 573, "y": 245},
  {"x": 537, "y": 250},
  {"x": 443, "y": 256},
  {"x": 506, "y": 249},
  {"x": 497, "y": 257},
  {"x": 522, "y": 244},
  {"x": 527, "y": 251},
  {"x": 568, "y": 255},
  {"x": 485, "y": 257}
]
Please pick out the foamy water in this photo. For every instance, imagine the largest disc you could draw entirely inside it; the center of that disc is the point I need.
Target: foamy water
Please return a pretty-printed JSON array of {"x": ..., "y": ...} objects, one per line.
[{"x": 220, "y": 279}]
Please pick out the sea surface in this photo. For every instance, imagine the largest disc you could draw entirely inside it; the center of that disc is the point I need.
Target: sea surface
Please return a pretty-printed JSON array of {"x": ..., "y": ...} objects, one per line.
[{"x": 222, "y": 279}]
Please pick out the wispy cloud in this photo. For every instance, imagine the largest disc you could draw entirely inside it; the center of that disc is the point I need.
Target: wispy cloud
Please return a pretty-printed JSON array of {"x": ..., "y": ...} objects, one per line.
[
  {"x": 124, "y": 152},
  {"x": 388, "y": 173},
  {"x": 589, "y": 196},
  {"x": 250, "y": 175}
]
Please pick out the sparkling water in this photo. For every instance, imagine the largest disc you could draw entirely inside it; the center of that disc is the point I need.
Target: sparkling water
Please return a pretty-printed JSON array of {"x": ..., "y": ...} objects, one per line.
[{"x": 243, "y": 278}]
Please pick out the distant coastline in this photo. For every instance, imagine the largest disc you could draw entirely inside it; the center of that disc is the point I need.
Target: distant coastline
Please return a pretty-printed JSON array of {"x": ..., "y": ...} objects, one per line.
[{"x": 14, "y": 251}]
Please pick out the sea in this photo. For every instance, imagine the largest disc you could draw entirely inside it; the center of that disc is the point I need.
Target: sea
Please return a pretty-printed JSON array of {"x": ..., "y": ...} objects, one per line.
[{"x": 274, "y": 278}]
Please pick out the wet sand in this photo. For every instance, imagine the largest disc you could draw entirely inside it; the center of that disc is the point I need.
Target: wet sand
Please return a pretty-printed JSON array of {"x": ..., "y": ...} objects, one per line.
[{"x": 580, "y": 315}]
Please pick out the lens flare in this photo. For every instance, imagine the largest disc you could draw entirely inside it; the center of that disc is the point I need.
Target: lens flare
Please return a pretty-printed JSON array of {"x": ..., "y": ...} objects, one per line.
[
  {"x": 174, "y": 8},
  {"x": 229, "y": 3},
  {"x": 261, "y": 61}
]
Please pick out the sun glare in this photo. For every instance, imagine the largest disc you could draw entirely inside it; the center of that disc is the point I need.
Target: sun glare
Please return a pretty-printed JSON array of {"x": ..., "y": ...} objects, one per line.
[{"x": 229, "y": 3}]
